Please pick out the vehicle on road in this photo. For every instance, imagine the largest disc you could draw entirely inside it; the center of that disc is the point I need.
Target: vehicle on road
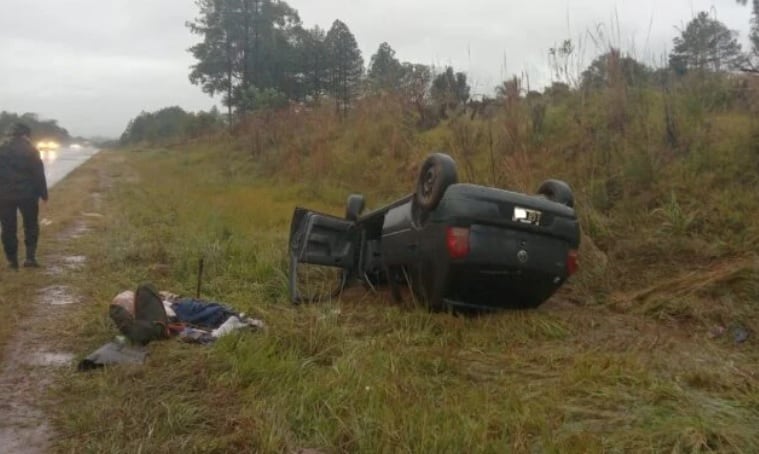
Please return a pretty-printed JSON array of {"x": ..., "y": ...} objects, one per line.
[
  {"x": 48, "y": 149},
  {"x": 456, "y": 246},
  {"x": 48, "y": 145}
]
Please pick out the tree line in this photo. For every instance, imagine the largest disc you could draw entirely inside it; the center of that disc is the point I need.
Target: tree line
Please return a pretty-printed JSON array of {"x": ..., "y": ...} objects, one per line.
[
  {"x": 258, "y": 55},
  {"x": 41, "y": 129},
  {"x": 704, "y": 45},
  {"x": 171, "y": 123}
]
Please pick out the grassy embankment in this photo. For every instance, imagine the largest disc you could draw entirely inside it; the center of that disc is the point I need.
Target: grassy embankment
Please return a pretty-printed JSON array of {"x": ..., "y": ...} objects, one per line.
[{"x": 623, "y": 360}]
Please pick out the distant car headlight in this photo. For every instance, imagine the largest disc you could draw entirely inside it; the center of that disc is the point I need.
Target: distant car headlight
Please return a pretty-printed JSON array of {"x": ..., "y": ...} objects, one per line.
[{"x": 48, "y": 145}]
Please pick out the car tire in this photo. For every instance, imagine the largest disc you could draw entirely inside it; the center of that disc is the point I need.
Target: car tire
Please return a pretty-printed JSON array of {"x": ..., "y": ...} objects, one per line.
[
  {"x": 437, "y": 173},
  {"x": 354, "y": 207},
  {"x": 557, "y": 191}
]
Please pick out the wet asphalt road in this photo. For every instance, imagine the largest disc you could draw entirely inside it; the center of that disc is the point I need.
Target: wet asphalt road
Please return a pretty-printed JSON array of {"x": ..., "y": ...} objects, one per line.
[{"x": 61, "y": 162}]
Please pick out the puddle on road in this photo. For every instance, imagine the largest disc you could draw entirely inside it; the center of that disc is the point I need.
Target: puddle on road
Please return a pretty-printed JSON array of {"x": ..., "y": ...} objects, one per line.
[
  {"x": 56, "y": 295},
  {"x": 78, "y": 230},
  {"x": 48, "y": 359},
  {"x": 74, "y": 261},
  {"x": 54, "y": 270},
  {"x": 59, "y": 265}
]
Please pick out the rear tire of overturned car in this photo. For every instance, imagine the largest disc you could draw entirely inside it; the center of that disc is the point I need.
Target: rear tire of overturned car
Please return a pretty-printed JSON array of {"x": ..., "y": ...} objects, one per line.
[
  {"x": 557, "y": 191},
  {"x": 438, "y": 172},
  {"x": 354, "y": 207}
]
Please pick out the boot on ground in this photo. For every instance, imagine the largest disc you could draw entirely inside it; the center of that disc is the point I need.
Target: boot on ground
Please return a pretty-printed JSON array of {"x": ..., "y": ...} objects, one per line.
[{"x": 31, "y": 261}]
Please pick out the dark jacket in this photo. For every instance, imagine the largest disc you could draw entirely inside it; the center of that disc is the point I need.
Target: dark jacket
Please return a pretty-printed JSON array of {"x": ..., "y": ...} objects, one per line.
[{"x": 22, "y": 174}]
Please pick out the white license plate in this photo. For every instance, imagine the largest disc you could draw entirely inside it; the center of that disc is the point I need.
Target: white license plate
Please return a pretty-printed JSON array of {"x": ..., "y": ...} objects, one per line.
[{"x": 526, "y": 216}]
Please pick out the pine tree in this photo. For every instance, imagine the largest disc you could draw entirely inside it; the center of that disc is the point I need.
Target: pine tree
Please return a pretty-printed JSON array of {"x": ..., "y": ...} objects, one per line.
[
  {"x": 245, "y": 48},
  {"x": 611, "y": 65},
  {"x": 312, "y": 62},
  {"x": 385, "y": 71},
  {"x": 346, "y": 66},
  {"x": 751, "y": 63},
  {"x": 706, "y": 44},
  {"x": 216, "y": 57},
  {"x": 449, "y": 90}
]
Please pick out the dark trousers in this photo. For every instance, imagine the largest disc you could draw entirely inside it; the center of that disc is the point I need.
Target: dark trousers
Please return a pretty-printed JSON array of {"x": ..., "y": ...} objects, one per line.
[{"x": 8, "y": 222}]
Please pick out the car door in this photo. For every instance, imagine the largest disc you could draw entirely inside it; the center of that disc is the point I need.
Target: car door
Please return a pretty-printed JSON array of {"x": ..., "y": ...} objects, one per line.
[
  {"x": 322, "y": 240},
  {"x": 400, "y": 239}
]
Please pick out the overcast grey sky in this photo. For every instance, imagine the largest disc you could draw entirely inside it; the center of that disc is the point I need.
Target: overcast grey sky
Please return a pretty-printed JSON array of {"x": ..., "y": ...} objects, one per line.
[{"x": 94, "y": 64}]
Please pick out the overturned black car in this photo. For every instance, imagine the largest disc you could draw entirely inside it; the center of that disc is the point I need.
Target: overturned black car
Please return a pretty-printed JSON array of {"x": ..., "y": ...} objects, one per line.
[{"x": 456, "y": 246}]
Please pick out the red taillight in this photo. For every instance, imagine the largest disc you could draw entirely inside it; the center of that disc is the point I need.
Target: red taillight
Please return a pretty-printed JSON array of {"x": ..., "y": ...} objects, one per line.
[
  {"x": 457, "y": 240},
  {"x": 573, "y": 262}
]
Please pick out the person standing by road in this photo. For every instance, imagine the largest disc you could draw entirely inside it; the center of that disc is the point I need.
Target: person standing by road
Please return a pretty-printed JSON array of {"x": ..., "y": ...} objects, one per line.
[{"x": 22, "y": 184}]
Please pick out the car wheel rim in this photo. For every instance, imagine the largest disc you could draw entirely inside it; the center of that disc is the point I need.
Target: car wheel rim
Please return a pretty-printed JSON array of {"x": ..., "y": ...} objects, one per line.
[{"x": 429, "y": 182}]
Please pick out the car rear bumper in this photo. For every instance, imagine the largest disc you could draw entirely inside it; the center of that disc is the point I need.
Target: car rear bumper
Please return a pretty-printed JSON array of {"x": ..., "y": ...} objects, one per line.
[
  {"x": 498, "y": 287},
  {"x": 505, "y": 268}
]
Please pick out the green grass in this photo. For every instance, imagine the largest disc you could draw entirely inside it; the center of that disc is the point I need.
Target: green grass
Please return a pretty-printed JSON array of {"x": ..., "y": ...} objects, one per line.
[{"x": 633, "y": 372}]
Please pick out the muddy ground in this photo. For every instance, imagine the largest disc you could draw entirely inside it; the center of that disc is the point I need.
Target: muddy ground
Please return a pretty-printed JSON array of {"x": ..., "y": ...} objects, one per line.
[{"x": 31, "y": 358}]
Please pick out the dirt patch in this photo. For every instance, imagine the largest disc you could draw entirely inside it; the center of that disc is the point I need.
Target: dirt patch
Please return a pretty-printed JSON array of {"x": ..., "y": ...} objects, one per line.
[
  {"x": 56, "y": 295},
  {"x": 44, "y": 359},
  {"x": 97, "y": 197},
  {"x": 28, "y": 440},
  {"x": 30, "y": 361},
  {"x": 77, "y": 230},
  {"x": 28, "y": 369},
  {"x": 60, "y": 265}
]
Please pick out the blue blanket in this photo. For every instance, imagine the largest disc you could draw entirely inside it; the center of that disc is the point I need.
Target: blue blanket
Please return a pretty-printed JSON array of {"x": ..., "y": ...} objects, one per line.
[{"x": 204, "y": 314}]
